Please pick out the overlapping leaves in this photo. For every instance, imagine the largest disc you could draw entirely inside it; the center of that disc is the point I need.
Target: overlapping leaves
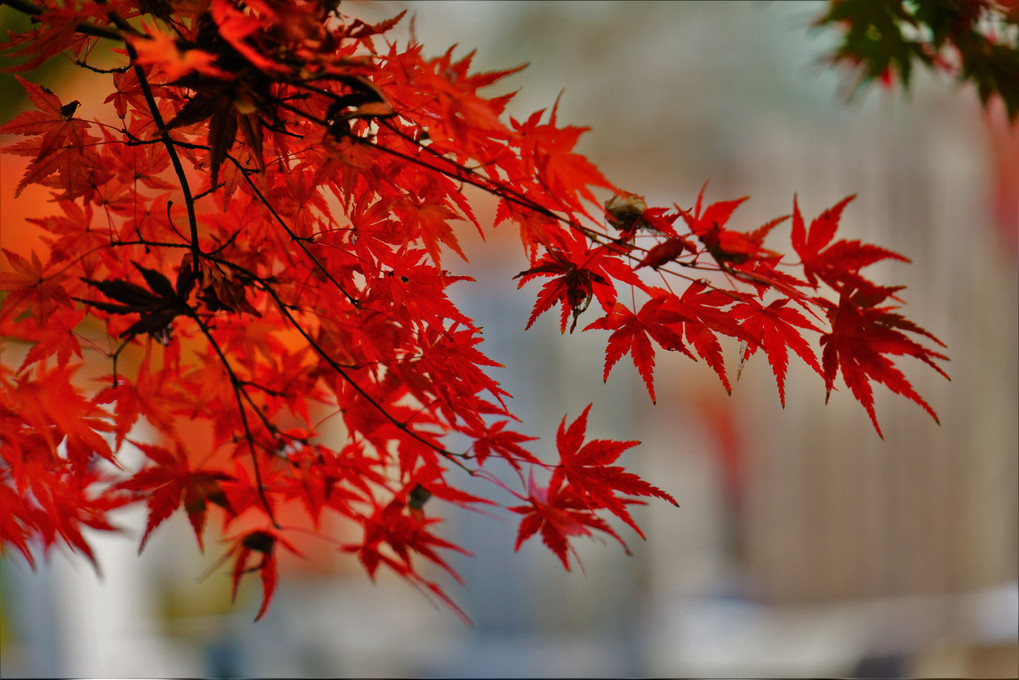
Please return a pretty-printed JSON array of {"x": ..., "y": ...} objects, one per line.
[{"x": 314, "y": 181}]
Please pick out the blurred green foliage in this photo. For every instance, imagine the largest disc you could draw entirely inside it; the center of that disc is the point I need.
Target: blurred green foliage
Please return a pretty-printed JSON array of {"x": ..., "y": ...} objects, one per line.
[{"x": 976, "y": 40}]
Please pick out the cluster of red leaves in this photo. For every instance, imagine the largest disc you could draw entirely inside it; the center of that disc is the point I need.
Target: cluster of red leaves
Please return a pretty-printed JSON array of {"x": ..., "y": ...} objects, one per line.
[
  {"x": 253, "y": 240},
  {"x": 583, "y": 481}
]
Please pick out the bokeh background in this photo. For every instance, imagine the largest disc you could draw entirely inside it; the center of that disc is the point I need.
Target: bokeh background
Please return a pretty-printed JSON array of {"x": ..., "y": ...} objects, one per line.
[{"x": 804, "y": 544}]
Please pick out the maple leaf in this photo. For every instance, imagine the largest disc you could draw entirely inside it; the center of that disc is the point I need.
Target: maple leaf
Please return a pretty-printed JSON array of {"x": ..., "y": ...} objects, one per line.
[
  {"x": 581, "y": 274},
  {"x": 362, "y": 30},
  {"x": 31, "y": 288},
  {"x": 713, "y": 217},
  {"x": 557, "y": 514},
  {"x": 586, "y": 468},
  {"x": 776, "y": 326},
  {"x": 322, "y": 177},
  {"x": 429, "y": 222},
  {"x": 494, "y": 439},
  {"x": 404, "y": 531},
  {"x": 52, "y": 404},
  {"x": 222, "y": 106},
  {"x": 53, "y": 120},
  {"x": 157, "y": 307},
  {"x": 862, "y": 334},
  {"x": 567, "y": 175},
  {"x": 260, "y": 544},
  {"x": 127, "y": 408},
  {"x": 725, "y": 245},
  {"x": 72, "y": 243},
  {"x": 17, "y": 522},
  {"x": 158, "y": 395},
  {"x": 632, "y": 333},
  {"x": 57, "y": 338},
  {"x": 61, "y": 148},
  {"x": 242, "y": 31},
  {"x": 170, "y": 482},
  {"x": 457, "y": 118},
  {"x": 698, "y": 313},
  {"x": 536, "y": 228},
  {"x": 221, "y": 290},
  {"x": 160, "y": 50},
  {"x": 57, "y": 31},
  {"x": 66, "y": 504},
  {"x": 838, "y": 264}
]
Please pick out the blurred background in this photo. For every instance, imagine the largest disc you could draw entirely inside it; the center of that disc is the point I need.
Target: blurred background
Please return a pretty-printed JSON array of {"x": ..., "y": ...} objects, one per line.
[{"x": 804, "y": 545}]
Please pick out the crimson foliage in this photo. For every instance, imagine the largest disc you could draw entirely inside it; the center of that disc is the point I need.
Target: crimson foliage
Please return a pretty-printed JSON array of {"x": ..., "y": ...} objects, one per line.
[{"x": 256, "y": 231}]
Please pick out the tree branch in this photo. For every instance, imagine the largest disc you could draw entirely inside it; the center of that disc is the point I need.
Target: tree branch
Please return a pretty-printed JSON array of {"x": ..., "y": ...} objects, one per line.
[{"x": 168, "y": 142}]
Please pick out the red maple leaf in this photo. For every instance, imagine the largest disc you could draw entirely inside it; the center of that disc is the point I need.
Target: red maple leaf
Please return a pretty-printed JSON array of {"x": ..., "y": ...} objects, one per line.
[
  {"x": 581, "y": 273},
  {"x": 777, "y": 329},
  {"x": 261, "y": 545},
  {"x": 60, "y": 147},
  {"x": 17, "y": 521},
  {"x": 557, "y": 514},
  {"x": 31, "y": 286},
  {"x": 242, "y": 30},
  {"x": 839, "y": 264},
  {"x": 549, "y": 149},
  {"x": 495, "y": 439},
  {"x": 394, "y": 532},
  {"x": 53, "y": 405},
  {"x": 586, "y": 467},
  {"x": 160, "y": 50},
  {"x": 169, "y": 482},
  {"x": 633, "y": 333},
  {"x": 429, "y": 223},
  {"x": 699, "y": 312},
  {"x": 582, "y": 483},
  {"x": 726, "y": 245},
  {"x": 861, "y": 337}
]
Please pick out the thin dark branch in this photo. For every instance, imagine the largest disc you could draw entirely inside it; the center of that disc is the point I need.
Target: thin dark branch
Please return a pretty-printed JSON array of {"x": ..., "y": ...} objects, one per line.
[
  {"x": 178, "y": 167},
  {"x": 236, "y": 383},
  {"x": 299, "y": 240},
  {"x": 104, "y": 71},
  {"x": 340, "y": 368}
]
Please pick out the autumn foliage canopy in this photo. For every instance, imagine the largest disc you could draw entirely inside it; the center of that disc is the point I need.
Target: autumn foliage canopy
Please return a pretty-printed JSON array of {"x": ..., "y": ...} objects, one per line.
[{"x": 255, "y": 231}]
